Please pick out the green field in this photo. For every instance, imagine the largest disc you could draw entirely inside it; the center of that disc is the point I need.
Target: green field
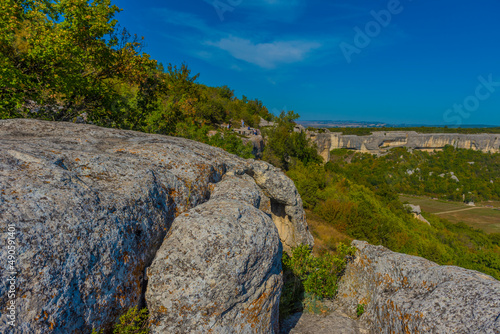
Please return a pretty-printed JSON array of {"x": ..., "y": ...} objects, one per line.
[
  {"x": 484, "y": 218},
  {"x": 495, "y": 204}
]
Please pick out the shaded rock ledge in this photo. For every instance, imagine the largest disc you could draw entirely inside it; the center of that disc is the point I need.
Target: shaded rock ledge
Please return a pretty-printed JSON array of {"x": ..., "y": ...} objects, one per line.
[
  {"x": 92, "y": 206},
  {"x": 409, "y": 294}
]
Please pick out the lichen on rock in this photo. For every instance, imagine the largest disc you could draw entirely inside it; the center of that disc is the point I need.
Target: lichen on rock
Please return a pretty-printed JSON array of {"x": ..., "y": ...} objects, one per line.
[
  {"x": 409, "y": 294},
  {"x": 92, "y": 207}
]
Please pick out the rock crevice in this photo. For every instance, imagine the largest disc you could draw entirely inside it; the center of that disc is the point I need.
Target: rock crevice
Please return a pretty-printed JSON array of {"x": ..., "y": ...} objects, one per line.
[{"x": 92, "y": 207}]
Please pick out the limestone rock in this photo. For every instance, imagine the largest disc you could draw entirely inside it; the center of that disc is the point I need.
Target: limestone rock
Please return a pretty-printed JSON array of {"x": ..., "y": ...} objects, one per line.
[
  {"x": 409, "y": 294},
  {"x": 286, "y": 204},
  {"x": 257, "y": 143},
  {"x": 379, "y": 142},
  {"x": 92, "y": 207},
  {"x": 219, "y": 269},
  {"x": 239, "y": 188}
]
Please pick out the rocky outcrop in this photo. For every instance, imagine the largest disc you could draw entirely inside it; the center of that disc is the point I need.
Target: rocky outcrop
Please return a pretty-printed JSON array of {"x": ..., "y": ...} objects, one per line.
[
  {"x": 408, "y": 294},
  {"x": 257, "y": 143},
  {"x": 285, "y": 203},
  {"x": 416, "y": 211},
  {"x": 219, "y": 270},
  {"x": 92, "y": 206},
  {"x": 379, "y": 142}
]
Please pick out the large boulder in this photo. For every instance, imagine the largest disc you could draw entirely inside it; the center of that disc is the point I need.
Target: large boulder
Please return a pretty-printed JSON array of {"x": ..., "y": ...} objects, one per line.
[
  {"x": 409, "y": 294},
  {"x": 91, "y": 207},
  {"x": 219, "y": 270}
]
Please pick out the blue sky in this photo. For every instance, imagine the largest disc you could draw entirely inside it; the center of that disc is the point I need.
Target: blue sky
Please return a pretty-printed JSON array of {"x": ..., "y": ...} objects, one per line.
[{"x": 408, "y": 61}]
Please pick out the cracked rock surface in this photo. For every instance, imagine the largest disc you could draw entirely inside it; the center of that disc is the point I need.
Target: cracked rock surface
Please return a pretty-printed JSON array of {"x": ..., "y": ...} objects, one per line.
[
  {"x": 409, "y": 294},
  {"x": 92, "y": 206}
]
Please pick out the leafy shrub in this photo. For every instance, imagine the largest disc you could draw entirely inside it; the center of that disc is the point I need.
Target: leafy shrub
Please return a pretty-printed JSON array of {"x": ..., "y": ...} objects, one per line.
[
  {"x": 319, "y": 274},
  {"x": 133, "y": 322},
  {"x": 360, "y": 309},
  {"x": 230, "y": 142},
  {"x": 310, "y": 278}
]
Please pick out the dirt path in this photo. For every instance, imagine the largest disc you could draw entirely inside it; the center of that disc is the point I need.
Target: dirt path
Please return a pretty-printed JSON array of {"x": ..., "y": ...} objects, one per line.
[
  {"x": 335, "y": 322},
  {"x": 452, "y": 211}
]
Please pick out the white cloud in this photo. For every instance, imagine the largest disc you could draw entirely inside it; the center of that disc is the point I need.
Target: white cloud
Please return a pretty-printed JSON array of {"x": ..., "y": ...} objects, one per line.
[
  {"x": 181, "y": 19},
  {"x": 266, "y": 55}
]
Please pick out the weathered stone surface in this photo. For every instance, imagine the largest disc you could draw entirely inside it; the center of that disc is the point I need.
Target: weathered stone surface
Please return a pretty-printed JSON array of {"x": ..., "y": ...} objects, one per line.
[
  {"x": 379, "y": 141},
  {"x": 335, "y": 322},
  {"x": 408, "y": 294},
  {"x": 257, "y": 143},
  {"x": 275, "y": 184},
  {"x": 286, "y": 205},
  {"x": 91, "y": 208},
  {"x": 219, "y": 269},
  {"x": 241, "y": 188}
]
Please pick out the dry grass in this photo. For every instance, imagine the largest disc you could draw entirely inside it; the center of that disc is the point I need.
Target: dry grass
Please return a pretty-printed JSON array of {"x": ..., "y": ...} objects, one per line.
[
  {"x": 485, "y": 218},
  {"x": 325, "y": 235},
  {"x": 431, "y": 205},
  {"x": 495, "y": 204}
]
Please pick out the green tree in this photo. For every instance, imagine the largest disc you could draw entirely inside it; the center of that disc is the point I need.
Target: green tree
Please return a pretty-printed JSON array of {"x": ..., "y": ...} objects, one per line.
[
  {"x": 284, "y": 145},
  {"x": 58, "y": 57}
]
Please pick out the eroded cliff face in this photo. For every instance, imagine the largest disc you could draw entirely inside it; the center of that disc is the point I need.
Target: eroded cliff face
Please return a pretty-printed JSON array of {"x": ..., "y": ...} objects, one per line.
[
  {"x": 409, "y": 294},
  {"x": 92, "y": 207},
  {"x": 379, "y": 142}
]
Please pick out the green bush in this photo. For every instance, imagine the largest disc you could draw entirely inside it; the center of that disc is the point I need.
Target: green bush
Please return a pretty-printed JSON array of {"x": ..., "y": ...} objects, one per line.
[
  {"x": 360, "y": 309},
  {"x": 133, "y": 322},
  {"x": 308, "y": 278}
]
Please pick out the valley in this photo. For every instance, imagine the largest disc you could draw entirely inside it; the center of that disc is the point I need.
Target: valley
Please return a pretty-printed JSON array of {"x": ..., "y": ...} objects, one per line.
[{"x": 480, "y": 216}]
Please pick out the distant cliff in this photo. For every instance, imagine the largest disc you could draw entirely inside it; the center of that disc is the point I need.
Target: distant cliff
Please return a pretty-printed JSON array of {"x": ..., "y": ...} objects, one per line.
[{"x": 380, "y": 142}]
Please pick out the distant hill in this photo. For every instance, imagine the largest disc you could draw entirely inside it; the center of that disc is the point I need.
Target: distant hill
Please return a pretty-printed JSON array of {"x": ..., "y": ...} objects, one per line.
[{"x": 349, "y": 127}]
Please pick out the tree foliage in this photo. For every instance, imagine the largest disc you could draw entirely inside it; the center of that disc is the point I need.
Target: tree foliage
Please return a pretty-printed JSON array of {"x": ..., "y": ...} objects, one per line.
[
  {"x": 285, "y": 147},
  {"x": 60, "y": 56},
  {"x": 68, "y": 60},
  {"x": 454, "y": 174}
]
